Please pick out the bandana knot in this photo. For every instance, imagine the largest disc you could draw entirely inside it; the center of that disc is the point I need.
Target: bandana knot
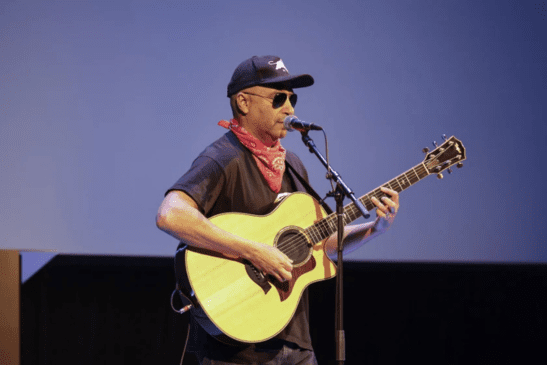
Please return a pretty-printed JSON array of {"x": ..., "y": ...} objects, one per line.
[{"x": 270, "y": 160}]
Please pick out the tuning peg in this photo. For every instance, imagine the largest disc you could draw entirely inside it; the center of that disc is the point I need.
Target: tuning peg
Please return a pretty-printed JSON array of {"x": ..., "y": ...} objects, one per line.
[
  {"x": 435, "y": 144},
  {"x": 439, "y": 176},
  {"x": 459, "y": 165},
  {"x": 444, "y": 137},
  {"x": 449, "y": 170},
  {"x": 425, "y": 150}
]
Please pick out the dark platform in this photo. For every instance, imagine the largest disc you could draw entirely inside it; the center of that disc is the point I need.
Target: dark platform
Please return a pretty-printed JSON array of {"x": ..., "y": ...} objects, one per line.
[{"x": 115, "y": 310}]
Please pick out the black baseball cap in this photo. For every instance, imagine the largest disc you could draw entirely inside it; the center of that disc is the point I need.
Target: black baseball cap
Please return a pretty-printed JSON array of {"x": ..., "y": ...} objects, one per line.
[{"x": 265, "y": 70}]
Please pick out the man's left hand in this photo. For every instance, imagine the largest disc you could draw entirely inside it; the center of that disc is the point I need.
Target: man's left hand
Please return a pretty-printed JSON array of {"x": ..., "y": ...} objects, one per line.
[{"x": 386, "y": 209}]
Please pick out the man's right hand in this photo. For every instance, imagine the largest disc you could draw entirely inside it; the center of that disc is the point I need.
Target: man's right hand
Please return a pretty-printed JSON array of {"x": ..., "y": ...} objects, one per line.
[{"x": 271, "y": 261}]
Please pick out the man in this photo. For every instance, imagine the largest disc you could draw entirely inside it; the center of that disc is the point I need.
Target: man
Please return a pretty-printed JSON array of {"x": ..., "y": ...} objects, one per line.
[{"x": 245, "y": 171}]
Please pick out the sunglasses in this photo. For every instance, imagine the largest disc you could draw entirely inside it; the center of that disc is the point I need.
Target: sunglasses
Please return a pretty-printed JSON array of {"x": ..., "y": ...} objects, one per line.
[{"x": 279, "y": 99}]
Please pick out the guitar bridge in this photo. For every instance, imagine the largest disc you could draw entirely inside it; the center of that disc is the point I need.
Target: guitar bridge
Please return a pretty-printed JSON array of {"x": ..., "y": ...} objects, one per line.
[{"x": 258, "y": 277}]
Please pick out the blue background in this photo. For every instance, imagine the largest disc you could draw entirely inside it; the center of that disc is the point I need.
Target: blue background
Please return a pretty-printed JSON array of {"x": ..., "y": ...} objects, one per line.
[{"x": 104, "y": 104}]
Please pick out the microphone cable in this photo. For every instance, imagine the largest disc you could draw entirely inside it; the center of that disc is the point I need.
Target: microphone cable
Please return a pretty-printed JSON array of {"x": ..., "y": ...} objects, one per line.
[{"x": 182, "y": 311}]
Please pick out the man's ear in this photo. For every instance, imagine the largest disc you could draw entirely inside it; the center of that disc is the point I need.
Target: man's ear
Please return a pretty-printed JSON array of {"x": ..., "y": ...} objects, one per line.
[{"x": 243, "y": 103}]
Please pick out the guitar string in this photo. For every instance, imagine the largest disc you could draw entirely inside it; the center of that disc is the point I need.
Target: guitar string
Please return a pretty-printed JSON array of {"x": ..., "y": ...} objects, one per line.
[
  {"x": 318, "y": 229},
  {"x": 295, "y": 243},
  {"x": 316, "y": 233},
  {"x": 313, "y": 230},
  {"x": 351, "y": 210}
]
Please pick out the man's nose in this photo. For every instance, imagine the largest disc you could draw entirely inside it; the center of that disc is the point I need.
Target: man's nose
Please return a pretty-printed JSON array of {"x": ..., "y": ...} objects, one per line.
[{"x": 287, "y": 107}]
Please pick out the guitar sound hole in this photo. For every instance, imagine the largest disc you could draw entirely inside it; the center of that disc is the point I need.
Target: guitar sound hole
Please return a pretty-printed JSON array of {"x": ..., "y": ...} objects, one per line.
[{"x": 295, "y": 245}]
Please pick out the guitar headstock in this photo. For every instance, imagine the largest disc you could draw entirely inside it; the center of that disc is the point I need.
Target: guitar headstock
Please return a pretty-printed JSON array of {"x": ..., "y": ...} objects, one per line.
[{"x": 448, "y": 154}]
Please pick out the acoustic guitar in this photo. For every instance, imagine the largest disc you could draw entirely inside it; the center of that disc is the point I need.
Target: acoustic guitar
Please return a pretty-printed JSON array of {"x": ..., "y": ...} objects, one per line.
[{"x": 234, "y": 302}]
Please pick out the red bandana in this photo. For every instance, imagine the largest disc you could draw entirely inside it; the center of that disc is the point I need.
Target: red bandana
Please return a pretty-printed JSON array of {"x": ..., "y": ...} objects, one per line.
[{"x": 270, "y": 160}]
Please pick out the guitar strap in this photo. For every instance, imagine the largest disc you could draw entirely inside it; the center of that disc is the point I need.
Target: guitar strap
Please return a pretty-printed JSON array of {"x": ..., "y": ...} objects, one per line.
[{"x": 307, "y": 186}]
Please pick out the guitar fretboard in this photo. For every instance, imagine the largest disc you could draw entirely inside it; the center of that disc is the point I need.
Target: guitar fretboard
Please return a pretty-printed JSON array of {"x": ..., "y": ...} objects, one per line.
[{"x": 328, "y": 225}]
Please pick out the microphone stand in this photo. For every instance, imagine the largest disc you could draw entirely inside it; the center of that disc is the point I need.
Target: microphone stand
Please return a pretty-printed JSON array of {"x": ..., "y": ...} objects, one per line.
[{"x": 341, "y": 191}]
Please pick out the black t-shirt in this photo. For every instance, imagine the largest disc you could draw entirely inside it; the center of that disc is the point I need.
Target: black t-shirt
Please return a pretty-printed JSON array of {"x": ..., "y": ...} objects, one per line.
[{"x": 225, "y": 178}]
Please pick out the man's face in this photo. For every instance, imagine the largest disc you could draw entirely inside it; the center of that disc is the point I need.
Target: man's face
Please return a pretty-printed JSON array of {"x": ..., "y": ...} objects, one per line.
[{"x": 264, "y": 120}]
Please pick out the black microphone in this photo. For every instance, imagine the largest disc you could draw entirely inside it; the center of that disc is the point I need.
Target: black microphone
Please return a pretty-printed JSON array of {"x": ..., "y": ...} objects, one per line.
[{"x": 292, "y": 123}]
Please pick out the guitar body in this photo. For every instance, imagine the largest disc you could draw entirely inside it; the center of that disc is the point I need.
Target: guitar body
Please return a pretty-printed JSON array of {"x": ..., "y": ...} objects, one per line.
[{"x": 237, "y": 301}]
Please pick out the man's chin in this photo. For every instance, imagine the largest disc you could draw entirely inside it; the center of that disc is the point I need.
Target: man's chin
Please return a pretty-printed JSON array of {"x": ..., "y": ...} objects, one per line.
[{"x": 278, "y": 134}]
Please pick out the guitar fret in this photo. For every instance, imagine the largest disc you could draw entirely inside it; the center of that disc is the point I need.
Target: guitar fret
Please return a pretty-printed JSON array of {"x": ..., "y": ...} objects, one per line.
[
  {"x": 368, "y": 204},
  {"x": 409, "y": 183},
  {"x": 347, "y": 218},
  {"x": 410, "y": 177},
  {"x": 327, "y": 229},
  {"x": 351, "y": 213},
  {"x": 313, "y": 233},
  {"x": 332, "y": 223},
  {"x": 324, "y": 232},
  {"x": 424, "y": 170},
  {"x": 320, "y": 229},
  {"x": 414, "y": 170},
  {"x": 355, "y": 213},
  {"x": 397, "y": 179}
]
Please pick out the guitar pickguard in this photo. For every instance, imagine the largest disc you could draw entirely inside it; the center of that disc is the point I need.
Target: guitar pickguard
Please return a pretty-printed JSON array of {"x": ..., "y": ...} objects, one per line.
[{"x": 285, "y": 288}]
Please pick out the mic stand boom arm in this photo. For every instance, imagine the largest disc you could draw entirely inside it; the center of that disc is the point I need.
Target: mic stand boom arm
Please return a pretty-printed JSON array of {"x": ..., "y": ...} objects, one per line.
[
  {"x": 333, "y": 175},
  {"x": 341, "y": 190}
]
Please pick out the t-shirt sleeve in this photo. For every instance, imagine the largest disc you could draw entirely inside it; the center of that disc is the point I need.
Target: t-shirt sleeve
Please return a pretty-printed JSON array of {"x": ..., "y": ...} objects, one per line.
[{"x": 203, "y": 183}]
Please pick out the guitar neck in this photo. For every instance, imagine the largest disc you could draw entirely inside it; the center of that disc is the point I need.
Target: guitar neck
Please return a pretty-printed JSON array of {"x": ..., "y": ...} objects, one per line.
[{"x": 328, "y": 225}]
